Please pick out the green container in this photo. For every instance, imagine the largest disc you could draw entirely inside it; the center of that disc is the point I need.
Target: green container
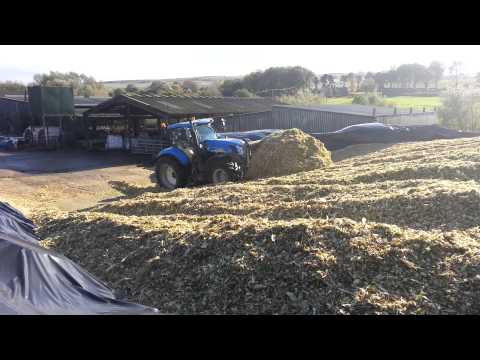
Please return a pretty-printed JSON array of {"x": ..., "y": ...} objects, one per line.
[{"x": 51, "y": 100}]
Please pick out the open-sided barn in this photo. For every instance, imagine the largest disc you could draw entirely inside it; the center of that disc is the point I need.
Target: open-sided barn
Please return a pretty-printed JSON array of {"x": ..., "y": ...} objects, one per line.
[
  {"x": 134, "y": 121},
  {"x": 173, "y": 108}
]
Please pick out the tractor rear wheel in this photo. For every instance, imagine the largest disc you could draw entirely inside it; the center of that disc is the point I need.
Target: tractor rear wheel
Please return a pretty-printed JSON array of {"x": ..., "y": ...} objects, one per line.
[{"x": 170, "y": 175}]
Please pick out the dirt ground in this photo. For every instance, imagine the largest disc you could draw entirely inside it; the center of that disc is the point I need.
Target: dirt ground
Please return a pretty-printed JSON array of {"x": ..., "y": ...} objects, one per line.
[
  {"x": 68, "y": 180},
  {"x": 75, "y": 180}
]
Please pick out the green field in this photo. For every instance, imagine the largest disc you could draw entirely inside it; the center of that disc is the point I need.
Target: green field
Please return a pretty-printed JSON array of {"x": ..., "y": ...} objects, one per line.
[
  {"x": 415, "y": 101},
  {"x": 400, "y": 101}
]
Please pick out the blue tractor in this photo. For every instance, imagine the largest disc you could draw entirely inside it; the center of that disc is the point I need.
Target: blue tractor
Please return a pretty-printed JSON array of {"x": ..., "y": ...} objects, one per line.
[{"x": 197, "y": 155}]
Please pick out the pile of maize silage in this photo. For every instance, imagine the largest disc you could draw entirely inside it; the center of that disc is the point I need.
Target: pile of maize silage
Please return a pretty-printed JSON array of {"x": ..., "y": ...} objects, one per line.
[
  {"x": 391, "y": 232},
  {"x": 288, "y": 152},
  {"x": 233, "y": 265}
]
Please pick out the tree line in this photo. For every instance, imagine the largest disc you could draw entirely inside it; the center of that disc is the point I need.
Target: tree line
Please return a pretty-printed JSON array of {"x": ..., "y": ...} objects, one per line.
[
  {"x": 11, "y": 87},
  {"x": 158, "y": 87},
  {"x": 409, "y": 76},
  {"x": 274, "y": 81},
  {"x": 82, "y": 84},
  {"x": 270, "y": 82},
  {"x": 265, "y": 83}
]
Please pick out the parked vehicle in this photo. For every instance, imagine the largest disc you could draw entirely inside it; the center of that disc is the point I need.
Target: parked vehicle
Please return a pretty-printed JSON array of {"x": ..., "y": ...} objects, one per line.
[
  {"x": 198, "y": 155},
  {"x": 7, "y": 143},
  {"x": 253, "y": 135}
]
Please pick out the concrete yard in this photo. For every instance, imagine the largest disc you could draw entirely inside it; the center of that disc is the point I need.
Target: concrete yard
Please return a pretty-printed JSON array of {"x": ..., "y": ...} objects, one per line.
[
  {"x": 74, "y": 179},
  {"x": 68, "y": 180}
]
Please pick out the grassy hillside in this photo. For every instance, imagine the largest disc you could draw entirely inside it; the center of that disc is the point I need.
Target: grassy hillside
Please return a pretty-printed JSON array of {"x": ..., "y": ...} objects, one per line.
[{"x": 400, "y": 101}]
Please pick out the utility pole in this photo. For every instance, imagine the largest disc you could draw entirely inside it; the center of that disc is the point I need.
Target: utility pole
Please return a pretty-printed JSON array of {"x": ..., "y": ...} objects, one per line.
[{"x": 473, "y": 115}]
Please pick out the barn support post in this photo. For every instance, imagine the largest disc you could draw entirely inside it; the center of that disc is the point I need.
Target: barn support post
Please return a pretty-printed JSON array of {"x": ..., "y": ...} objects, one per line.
[
  {"x": 60, "y": 133},
  {"x": 129, "y": 126},
  {"x": 44, "y": 120},
  {"x": 86, "y": 127},
  {"x": 45, "y": 129},
  {"x": 17, "y": 116}
]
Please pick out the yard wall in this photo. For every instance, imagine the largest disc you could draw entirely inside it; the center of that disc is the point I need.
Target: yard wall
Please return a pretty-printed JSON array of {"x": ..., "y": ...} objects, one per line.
[{"x": 318, "y": 121}]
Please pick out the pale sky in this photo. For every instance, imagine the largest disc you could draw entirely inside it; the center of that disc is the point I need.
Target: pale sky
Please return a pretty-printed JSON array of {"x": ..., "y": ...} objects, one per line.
[{"x": 135, "y": 62}]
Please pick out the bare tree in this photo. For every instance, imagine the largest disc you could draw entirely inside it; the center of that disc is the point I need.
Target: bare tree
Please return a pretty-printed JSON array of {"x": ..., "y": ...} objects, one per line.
[
  {"x": 324, "y": 80},
  {"x": 351, "y": 80},
  {"x": 436, "y": 69},
  {"x": 380, "y": 78},
  {"x": 316, "y": 80},
  {"x": 331, "y": 80},
  {"x": 392, "y": 77},
  {"x": 454, "y": 70},
  {"x": 358, "y": 79}
]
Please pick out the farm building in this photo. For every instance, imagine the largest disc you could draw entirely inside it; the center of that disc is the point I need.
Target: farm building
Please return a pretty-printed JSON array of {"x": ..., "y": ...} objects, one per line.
[
  {"x": 16, "y": 113},
  {"x": 134, "y": 121},
  {"x": 326, "y": 118}
]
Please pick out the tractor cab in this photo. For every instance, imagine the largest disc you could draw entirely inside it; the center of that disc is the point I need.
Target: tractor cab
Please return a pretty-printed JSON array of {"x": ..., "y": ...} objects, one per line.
[{"x": 198, "y": 155}]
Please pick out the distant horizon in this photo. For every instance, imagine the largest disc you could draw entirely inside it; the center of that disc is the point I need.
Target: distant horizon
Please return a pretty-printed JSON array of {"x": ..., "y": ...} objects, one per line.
[
  {"x": 162, "y": 62},
  {"x": 26, "y": 83}
]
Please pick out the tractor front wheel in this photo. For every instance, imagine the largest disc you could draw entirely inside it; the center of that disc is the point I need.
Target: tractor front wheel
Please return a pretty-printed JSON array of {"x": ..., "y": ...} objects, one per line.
[
  {"x": 222, "y": 172},
  {"x": 170, "y": 175}
]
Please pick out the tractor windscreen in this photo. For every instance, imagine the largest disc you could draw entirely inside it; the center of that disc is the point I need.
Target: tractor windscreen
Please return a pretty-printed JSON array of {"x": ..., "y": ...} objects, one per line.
[{"x": 206, "y": 132}]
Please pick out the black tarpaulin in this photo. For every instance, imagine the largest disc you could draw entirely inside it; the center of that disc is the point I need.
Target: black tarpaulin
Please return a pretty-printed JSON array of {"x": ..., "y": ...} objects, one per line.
[
  {"x": 370, "y": 133},
  {"x": 35, "y": 280}
]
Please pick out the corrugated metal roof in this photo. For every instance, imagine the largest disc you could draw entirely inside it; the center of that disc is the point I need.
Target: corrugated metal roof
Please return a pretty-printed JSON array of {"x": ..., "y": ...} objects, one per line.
[
  {"x": 354, "y": 109},
  {"x": 190, "y": 105},
  {"x": 180, "y": 105},
  {"x": 94, "y": 100}
]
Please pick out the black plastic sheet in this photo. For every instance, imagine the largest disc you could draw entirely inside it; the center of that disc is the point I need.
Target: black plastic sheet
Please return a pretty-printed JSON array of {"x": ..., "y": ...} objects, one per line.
[
  {"x": 370, "y": 133},
  {"x": 35, "y": 280}
]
